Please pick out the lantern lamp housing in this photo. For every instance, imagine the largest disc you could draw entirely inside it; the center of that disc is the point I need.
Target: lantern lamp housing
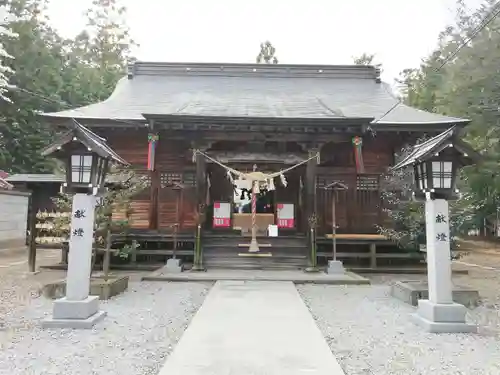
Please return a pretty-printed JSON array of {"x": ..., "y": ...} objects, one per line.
[
  {"x": 437, "y": 175},
  {"x": 87, "y": 159},
  {"x": 85, "y": 170},
  {"x": 436, "y": 164}
]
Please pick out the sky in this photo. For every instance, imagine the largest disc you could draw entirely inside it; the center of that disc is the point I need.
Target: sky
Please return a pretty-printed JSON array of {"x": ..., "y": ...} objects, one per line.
[{"x": 399, "y": 32}]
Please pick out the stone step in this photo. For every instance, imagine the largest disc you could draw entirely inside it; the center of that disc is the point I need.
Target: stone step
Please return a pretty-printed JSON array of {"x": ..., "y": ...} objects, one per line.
[
  {"x": 260, "y": 260},
  {"x": 224, "y": 252},
  {"x": 254, "y": 265},
  {"x": 235, "y": 241}
]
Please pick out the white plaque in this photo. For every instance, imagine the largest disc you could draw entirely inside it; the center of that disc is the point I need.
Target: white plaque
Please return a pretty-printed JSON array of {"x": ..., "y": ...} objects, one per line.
[{"x": 272, "y": 230}]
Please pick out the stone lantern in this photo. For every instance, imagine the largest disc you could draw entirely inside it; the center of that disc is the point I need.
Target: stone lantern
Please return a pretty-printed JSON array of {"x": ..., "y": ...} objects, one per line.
[
  {"x": 436, "y": 164},
  {"x": 87, "y": 158}
]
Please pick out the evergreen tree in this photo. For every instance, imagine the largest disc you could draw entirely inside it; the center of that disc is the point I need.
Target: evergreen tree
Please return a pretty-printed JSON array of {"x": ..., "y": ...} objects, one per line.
[
  {"x": 364, "y": 59},
  {"x": 37, "y": 62},
  {"x": 460, "y": 78},
  {"x": 267, "y": 54},
  {"x": 105, "y": 45},
  {"x": 5, "y": 18},
  {"x": 53, "y": 73}
]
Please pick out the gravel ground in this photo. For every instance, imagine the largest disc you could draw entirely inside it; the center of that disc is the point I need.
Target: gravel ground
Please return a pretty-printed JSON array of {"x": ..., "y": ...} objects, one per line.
[
  {"x": 371, "y": 333},
  {"x": 17, "y": 287},
  {"x": 141, "y": 329}
]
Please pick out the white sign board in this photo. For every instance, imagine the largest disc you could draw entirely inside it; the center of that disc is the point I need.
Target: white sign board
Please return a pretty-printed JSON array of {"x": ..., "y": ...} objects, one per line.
[
  {"x": 286, "y": 215},
  {"x": 222, "y": 215},
  {"x": 272, "y": 230}
]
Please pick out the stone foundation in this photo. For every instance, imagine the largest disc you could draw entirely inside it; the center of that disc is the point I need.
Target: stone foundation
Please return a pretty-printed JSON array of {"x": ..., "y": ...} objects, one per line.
[
  {"x": 413, "y": 291},
  {"x": 98, "y": 287}
]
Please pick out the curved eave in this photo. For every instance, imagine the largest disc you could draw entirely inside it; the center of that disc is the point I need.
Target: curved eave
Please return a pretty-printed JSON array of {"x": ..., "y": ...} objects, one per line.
[
  {"x": 418, "y": 126},
  {"x": 402, "y": 123},
  {"x": 66, "y": 115}
]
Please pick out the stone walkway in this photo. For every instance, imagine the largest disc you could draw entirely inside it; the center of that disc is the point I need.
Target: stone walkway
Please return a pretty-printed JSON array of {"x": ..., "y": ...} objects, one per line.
[{"x": 252, "y": 328}]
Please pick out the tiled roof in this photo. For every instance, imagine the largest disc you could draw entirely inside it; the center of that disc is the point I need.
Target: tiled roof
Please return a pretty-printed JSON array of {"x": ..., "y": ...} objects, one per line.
[
  {"x": 91, "y": 140},
  {"x": 253, "y": 90},
  {"x": 41, "y": 177},
  {"x": 422, "y": 151}
]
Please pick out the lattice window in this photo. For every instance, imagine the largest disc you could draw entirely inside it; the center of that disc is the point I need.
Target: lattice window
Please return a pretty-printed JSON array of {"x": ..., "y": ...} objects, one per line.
[
  {"x": 147, "y": 179},
  {"x": 189, "y": 179},
  {"x": 369, "y": 183},
  {"x": 170, "y": 178}
]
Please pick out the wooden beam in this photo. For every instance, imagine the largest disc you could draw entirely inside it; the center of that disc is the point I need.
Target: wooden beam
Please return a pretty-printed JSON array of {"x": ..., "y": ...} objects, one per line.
[{"x": 245, "y": 135}]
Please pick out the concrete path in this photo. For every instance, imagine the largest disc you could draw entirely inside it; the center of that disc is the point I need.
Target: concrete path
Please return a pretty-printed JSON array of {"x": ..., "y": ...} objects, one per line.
[{"x": 252, "y": 328}]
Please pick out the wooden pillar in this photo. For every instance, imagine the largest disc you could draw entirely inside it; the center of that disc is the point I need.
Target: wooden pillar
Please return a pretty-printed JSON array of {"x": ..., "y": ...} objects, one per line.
[
  {"x": 154, "y": 175},
  {"x": 133, "y": 252},
  {"x": 310, "y": 203},
  {"x": 201, "y": 194},
  {"x": 373, "y": 255},
  {"x": 311, "y": 182},
  {"x": 179, "y": 214},
  {"x": 107, "y": 256},
  {"x": 34, "y": 206},
  {"x": 153, "y": 200},
  {"x": 200, "y": 180}
]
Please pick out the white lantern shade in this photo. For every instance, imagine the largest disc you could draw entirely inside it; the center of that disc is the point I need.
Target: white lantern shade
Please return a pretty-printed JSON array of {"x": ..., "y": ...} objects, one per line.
[
  {"x": 81, "y": 169},
  {"x": 442, "y": 174},
  {"x": 421, "y": 176}
]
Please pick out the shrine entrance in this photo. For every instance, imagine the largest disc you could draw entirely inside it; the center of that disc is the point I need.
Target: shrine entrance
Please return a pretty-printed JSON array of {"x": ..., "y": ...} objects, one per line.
[
  {"x": 275, "y": 204},
  {"x": 242, "y": 210}
]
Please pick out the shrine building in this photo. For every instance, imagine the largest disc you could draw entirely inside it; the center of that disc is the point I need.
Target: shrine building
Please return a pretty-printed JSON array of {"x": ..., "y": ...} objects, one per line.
[{"x": 190, "y": 124}]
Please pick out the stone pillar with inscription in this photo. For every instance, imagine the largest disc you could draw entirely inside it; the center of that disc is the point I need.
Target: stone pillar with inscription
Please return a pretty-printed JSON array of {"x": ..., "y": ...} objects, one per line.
[
  {"x": 439, "y": 313},
  {"x": 78, "y": 309}
]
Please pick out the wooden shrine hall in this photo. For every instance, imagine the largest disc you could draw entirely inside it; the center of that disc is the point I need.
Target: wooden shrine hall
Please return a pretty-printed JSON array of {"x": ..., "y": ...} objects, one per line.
[{"x": 177, "y": 123}]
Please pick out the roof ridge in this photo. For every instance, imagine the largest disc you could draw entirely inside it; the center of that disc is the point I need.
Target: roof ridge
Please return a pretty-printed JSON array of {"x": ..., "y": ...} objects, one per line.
[{"x": 353, "y": 71}]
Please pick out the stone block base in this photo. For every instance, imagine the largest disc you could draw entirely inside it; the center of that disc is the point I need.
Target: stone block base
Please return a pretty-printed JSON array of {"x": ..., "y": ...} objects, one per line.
[
  {"x": 106, "y": 289},
  {"x": 98, "y": 287},
  {"x": 74, "y": 323},
  {"x": 413, "y": 291},
  {"x": 335, "y": 267},
  {"x": 173, "y": 266},
  {"x": 442, "y": 318},
  {"x": 68, "y": 309}
]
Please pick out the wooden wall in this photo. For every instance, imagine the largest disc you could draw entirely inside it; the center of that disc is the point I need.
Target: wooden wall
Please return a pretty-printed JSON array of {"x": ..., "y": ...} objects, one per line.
[
  {"x": 359, "y": 209},
  {"x": 174, "y": 164},
  {"x": 132, "y": 146},
  {"x": 159, "y": 206}
]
